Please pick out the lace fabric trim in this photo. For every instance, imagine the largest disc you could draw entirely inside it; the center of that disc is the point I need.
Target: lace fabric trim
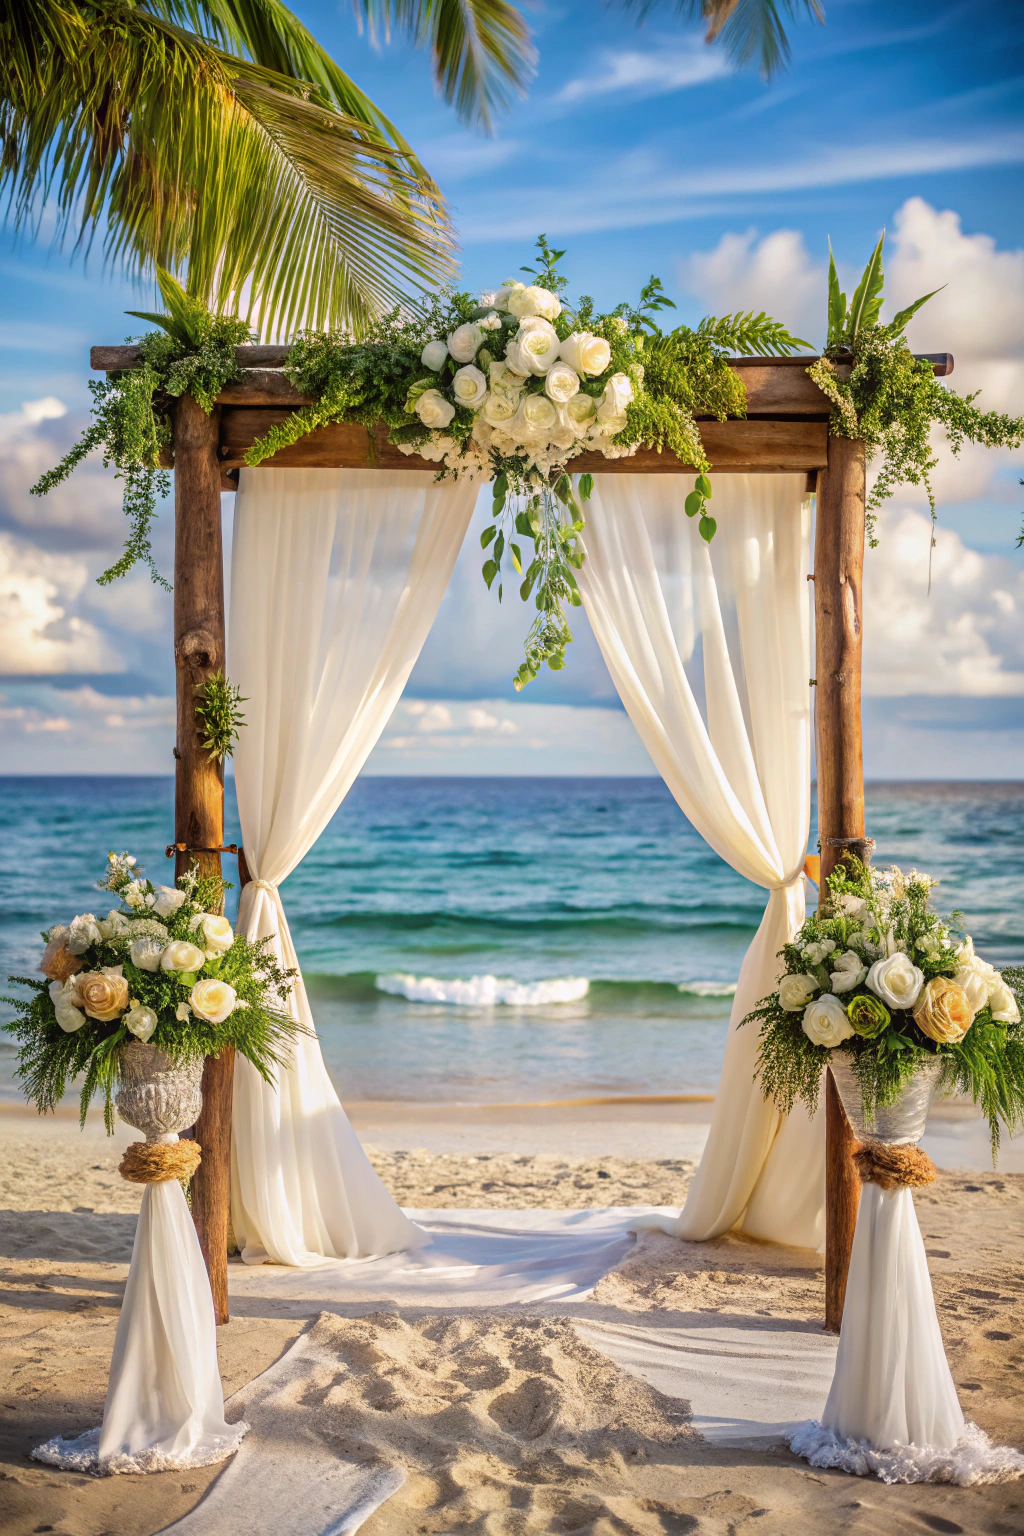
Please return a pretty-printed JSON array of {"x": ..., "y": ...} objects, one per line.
[
  {"x": 974, "y": 1459},
  {"x": 81, "y": 1454}
]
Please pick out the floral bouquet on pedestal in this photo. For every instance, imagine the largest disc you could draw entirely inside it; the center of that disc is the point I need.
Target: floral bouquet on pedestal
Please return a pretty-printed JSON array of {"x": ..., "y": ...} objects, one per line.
[
  {"x": 163, "y": 967},
  {"x": 879, "y": 975}
]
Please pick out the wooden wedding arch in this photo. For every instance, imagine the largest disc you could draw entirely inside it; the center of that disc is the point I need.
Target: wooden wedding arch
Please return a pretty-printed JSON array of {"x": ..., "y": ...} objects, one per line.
[{"x": 785, "y": 431}]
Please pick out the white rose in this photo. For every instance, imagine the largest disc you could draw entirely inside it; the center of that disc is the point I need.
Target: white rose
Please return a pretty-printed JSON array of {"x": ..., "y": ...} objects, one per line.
[
  {"x": 796, "y": 991},
  {"x": 433, "y": 409},
  {"x": 849, "y": 972},
  {"x": 534, "y": 349},
  {"x": 816, "y": 953},
  {"x": 134, "y": 895},
  {"x": 470, "y": 387},
  {"x": 180, "y": 955},
  {"x": 563, "y": 434},
  {"x": 168, "y": 900},
  {"x": 213, "y": 932},
  {"x": 975, "y": 986},
  {"x": 853, "y": 906},
  {"x": 85, "y": 930},
  {"x": 1003, "y": 1004},
  {"x": 896, "y": 980},
  {"x": 581, "y": 412},
  {"x": 601, "y": 431},
  {"x": 524, "y": 302},
  {"x": 498, "y": 408},
  {"x": 142, "y": 1021},
  {"x": 825, "y": 1021},
  {"x": 491, "y": 322},
  {"x": 212, "y": 999},
  {"x": 434, "y": 355},
  {"x": 618, "y": 392},
  {"x": 562, "y": 383},
  {"x": 62, "y": 996},
  {"x": 536, "y": 414},
  {"x": 496, "y": 298},
  {"x": 586, "y": 353},
  {"x": 183, "y": 1013},
  {"x": 464, "y": 343},
  {"x": 147, "y": 953},
  {"x": 504, "y": 381}
]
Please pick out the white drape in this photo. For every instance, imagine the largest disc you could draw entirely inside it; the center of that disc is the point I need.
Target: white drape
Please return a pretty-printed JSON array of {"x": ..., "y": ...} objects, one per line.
[
  {"x": 165, "y": 1406},
  {"x": 735, "y": 614},
  {"x": 336, "y": 577}
]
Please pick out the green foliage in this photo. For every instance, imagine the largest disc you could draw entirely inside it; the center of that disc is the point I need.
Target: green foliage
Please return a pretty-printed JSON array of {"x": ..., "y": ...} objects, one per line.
[
  {"x": 892, "y": 400},
  {"x": 220, "y": 718},
  {"x": 51, "y": 1057},
  {"x": 193, "y": 353},
  {"x": 870, "y": 914},
  {"x": 545, "y": 273}
]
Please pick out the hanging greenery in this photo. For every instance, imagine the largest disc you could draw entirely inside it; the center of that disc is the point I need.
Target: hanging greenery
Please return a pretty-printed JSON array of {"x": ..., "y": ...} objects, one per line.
[
  {"x": 192, "y": 353},
  {"x": 892, "y": 399}
]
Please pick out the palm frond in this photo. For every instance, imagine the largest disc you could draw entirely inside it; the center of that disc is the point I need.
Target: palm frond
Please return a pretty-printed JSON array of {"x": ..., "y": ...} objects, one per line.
[
  {"x": 751, "y": 31},
  {"x": 481, "y": 50},
  {"x": 752, "y": 335}
]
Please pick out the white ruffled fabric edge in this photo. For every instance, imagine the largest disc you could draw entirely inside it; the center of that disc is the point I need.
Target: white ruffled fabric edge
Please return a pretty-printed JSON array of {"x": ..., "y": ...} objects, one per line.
[
  {"x": 974, "y": 1459},
  {"x": 82, "y": 1454}
]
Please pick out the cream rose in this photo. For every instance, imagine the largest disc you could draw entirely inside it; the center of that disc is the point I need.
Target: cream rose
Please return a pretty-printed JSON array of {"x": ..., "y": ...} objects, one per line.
[
  {"x": 103, "y": 994},
  {"x": 581, "y": 412},
  {"x": 494, "y": 298},
  {"x": 1003, "y": 1004},
  {"x": 796, "y": 991},
  {"x": 147, "y": 953},
  {"x": 433, "y": 409},
  {"x": 434, "y": 355},
  {"x": 534, "y": 349},
  {"x": 504, "y": 381},
  {"x": 562, "y": 383},
  {"x": 536, "y": 414},
  {"x": 141, "y": 1021},
  {"x": 498, "y": 409},
  {"x": 975, "y": 987},
  {"x": 825, "y": 1021},
  {"x": 849, "y": 971},
  {"x": 85, "y": 930},
  {"x": 69, "y": 1016},
  {"x": 168, "y": 900},
  {"x": 618, "y": 392},
  {"x": 587, "y": 354},
  {"x": 212, "y": 999},
  {"x": 896, "y": 980},
  {"x": 943, "y": 1012},
  {"x": 213, "y": 933},
  {"x": 470, "y": 387},
  {"x": 180, "y": 955},
  {"x": 464, "y": 343},
  {"x": 526, "y": 302}
]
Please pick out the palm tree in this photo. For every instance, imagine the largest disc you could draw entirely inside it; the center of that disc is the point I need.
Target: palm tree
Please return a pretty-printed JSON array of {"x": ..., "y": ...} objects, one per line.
[
  {"x": 219, "y": 135},
  {"x": 751, "y": 31}
]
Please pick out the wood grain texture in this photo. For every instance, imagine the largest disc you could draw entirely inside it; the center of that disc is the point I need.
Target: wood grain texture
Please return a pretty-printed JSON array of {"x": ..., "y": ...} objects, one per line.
[
  {"x": 732, "y": 446},
  {"x": 838, "y": 572},
  {"x": 199, "y": 651}
]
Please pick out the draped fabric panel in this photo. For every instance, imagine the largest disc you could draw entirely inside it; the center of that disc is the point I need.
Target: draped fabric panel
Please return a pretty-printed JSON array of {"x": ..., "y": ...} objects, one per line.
[
  {"x": 709, "y": 648},
  {"x": 336, "y": 578}
]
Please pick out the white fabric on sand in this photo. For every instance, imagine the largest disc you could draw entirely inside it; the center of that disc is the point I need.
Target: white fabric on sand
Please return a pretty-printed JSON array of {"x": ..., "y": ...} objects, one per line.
[
  {"x": 892, "y": 1408},
  {"x": 679, "y": 621},
  {"x": 165, "y": 1406},
  {"x": 336, "y": 578}
]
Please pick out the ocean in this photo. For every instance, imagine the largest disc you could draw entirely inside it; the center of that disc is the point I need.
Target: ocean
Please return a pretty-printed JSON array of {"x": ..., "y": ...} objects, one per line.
[{"x": 493, "y": 941}]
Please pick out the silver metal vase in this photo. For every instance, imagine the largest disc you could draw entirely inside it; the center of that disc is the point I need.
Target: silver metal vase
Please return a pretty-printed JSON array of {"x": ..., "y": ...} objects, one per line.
[
  {"x": 156, "y": 1095},
  {"x": 899, "y": 1124}
]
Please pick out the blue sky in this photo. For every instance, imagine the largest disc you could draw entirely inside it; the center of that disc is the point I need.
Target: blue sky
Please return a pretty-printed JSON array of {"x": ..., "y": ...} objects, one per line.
[{"x": 640, "y": 150}]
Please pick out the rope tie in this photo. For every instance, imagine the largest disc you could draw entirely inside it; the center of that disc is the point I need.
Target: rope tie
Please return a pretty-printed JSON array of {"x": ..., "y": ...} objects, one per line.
[
  {"x": 153, "y": 1162},
  {"x": 262, "y": 885},
  {"x": 893, "y": 1167}
]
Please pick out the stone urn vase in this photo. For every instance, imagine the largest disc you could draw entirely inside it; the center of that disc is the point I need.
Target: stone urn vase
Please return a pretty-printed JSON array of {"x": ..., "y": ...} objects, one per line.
[
  {"x": 156, "y": 1095},
  {"x": 899, "y": 1124}
]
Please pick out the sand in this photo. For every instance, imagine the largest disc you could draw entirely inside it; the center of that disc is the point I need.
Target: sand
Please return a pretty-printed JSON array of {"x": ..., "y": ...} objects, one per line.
[{"x": 506, "y": 1426}]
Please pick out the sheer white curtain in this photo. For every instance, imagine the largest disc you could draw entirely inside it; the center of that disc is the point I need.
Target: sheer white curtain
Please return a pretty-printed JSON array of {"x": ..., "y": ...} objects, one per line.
[
  {"x": 676, "y": 618},
  {"x": 336, "y": 578}
]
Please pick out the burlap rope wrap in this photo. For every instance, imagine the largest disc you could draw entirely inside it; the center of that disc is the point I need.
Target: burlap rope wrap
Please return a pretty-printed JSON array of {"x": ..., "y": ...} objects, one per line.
[
  {"x": 151, "y": 1162},
  {"x": 880, "y": 1163}
]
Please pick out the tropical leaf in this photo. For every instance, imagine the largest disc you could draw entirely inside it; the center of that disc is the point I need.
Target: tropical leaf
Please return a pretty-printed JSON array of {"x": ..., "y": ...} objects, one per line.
[
  {"x": 754, "y": 335},
  {"x": 836, "y": 304},
  {"x": 480, "y": 49},
  {"x": 900, "y": 320},
  {"x": 866, "y": 304},
  {"x": 751, "y": 31}
]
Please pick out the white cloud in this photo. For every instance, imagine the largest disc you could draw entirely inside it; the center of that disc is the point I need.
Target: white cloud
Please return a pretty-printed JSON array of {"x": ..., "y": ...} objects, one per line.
[
  {"x": 38, "y": 631},
  {"x": 639, "y": 73},
  {"x": 81, "y": 730},
  {"x": 966, "y": 638},
  {"x": 775, "y": 273},
  {"x": 86, "y": 510}
]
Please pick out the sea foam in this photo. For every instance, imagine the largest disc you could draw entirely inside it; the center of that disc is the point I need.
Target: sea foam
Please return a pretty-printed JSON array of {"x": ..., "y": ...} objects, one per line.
[{"x": 484, "y": 991}]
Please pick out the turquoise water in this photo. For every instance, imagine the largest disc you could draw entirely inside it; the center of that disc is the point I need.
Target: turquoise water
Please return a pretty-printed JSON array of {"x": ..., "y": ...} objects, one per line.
[{"x": 494, "y": 941}]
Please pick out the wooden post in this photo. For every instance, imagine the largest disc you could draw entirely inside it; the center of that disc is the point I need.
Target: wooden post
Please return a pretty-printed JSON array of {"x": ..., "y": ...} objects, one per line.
[
  {"x": 838, "y": 569},
  {"x": 199, "y": 651}
]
